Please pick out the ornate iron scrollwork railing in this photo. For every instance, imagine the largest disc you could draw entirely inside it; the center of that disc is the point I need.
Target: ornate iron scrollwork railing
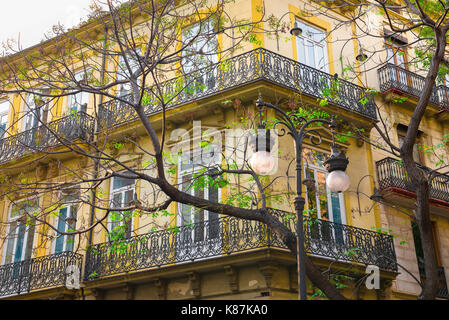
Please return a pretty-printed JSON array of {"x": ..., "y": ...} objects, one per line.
[
  {"x": 229, "y": 235},
  {"x": 258, "y": 64},
  {"x": 443, "y": 96},
  {"x": 395, "y": 77},
  {"x": 38, "y": 273},
  {"x": 442, "y": 288},
  {"x": 391, "y": 173},
  {"x": 65, "y": 130}
]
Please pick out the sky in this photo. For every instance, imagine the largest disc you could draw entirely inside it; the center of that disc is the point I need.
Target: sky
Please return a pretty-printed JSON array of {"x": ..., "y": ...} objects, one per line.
[{"x": 33, "y": 18}]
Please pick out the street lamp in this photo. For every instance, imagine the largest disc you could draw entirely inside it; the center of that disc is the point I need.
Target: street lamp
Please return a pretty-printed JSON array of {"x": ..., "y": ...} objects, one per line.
[
  {"x": 336, "y": 164},
  {"x": 71, "y": 218},
  {"x": 296, "y": 31},
  {"x": 337, "y": 180},
  {"x": 262, "y": 162}
]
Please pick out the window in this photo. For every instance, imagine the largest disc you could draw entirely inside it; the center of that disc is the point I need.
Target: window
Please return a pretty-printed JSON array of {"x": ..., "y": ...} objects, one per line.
[
  {"x": 4, "y": 111},
  {"x": 397, "y": 56},
  {"x": 124, "y": 74},
  {"x": 79, "y": 101},
  {"x": 65, "y": 222},
  {"x": 320, "y": 202},
  {"x": 419, "y": 249},
  {"x": 202, "y": 223},
  {"x": 201, "y": 55},
  {"x": 36, "y": 112},
  {"x": 19, "y": 238},
  {"x": 202, "y": 51},
  {"x": 123, "y": 194},
  {"x": 312, "y": 47},
  {"x": 417, "y": 152},
  {"x": 323, "y": 204}
]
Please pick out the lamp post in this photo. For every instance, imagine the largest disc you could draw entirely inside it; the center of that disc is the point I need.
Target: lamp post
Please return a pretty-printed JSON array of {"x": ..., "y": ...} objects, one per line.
[{"x": 337, "y": 180}]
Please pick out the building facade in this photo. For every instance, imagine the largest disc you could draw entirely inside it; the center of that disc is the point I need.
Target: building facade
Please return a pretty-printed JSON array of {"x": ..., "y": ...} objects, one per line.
[{"x": 183, "y": 254}]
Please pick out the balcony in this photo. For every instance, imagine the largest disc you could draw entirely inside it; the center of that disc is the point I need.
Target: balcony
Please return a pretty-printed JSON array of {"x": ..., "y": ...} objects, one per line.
[
  {"x": 402, "y": 81},
  {"x": 442, "y": 289},
  {"x": 38, "y": 273},
  {"x": 395, "y": 184},
  {"x": 246, "y": 68},
  {"x": 78, "y": 126},
  {"x": 229, "y": 236}
]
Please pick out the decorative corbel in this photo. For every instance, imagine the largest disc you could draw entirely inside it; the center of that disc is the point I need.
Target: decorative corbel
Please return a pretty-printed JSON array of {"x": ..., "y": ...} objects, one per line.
[
  {"x": 218, "y": 112},
  {"x": 98, "y": 294},
  {"x": 233, "y": 278},
  {"x": 129, "y": 290},
  {"x": 267, "y": 271},
  {"x": 169, "y": 125},
  {"x": 383, "y": 293},
  {"x": 83, "y": 161},
  {"x": 161, "y": 288},
  {"x": 293, "y": 278},
  {"x": 41, "y": 171},
  {"x": 53, "y": 167},
  {"x": 195, "y": 282}
]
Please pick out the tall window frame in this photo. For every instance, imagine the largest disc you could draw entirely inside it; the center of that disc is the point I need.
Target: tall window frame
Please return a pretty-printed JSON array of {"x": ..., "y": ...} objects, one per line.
[
  {"x": 122, "y": 73},
  {"x": 329, "y": 205},
  {"x": 396, "y": 54},
  {"x": 311, "y": 46},
  {"x": 79, "y": 101},
  {"x": 34, "y": 113},
  {"x": 4, "y": 116},
  {"x": 70, "y": 207},
  {"x": 418, "y": 155},
  {"x": 192, "y": 59},
  {"x": 198, "y": 58},
  {"x": 187, "y": 217},
  {"x": 20, "y": 237},
  {"x": 398, "y": 57},
  {"x": 122, "y": 192}
]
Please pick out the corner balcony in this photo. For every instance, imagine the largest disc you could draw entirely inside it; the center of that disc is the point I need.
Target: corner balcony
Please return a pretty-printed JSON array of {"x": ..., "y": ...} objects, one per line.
[
  {"x": 442, "y": 288},
  {"x": 256, "y": 65},
  {"x": 78, "y": 126},
  {"x": 393, "y": 78},
  {"x": 229, "y": 236},
  {"x": 37, "y": 274},
  {"x": 395, "y": 185}
]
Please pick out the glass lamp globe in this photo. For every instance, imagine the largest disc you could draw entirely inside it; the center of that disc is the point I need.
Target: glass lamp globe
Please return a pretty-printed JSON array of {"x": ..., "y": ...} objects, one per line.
[
  {"x": 262, "y": 162},
  {"x": 338, "y": 181}
]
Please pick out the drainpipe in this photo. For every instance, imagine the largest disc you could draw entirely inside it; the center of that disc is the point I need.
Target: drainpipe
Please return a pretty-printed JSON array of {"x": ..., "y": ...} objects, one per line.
[{"x": 97, "y": 162}]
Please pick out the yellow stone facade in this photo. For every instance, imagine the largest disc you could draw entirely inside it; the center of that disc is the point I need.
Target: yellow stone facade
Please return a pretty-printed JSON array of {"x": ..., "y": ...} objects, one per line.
[{"x": 263, "y": 270}]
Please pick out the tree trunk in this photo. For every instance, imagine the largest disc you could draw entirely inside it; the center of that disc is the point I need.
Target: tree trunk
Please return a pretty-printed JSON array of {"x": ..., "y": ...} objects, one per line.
[{"x": 422, "y": 212}]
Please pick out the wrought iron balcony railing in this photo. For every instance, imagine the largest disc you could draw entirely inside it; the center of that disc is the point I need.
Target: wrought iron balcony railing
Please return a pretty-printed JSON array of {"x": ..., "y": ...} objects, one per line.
[
  {"x": 391, "y": 173},
  {"x": 442, "y": 289},
  {"x": 38, "y": 273},
  {"x": 62, "y": 131},
  {"x": 255, "y": 65},
  {"x": 395, "y": 77},
  {"x": 229, "y": 235}
]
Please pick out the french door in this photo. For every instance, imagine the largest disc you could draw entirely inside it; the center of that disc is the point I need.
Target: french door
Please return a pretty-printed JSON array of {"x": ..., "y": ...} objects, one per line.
[
  {"x": 4, "y": 111},
  {"x": 399, "y": 75},
  {"x": 199, "y": 58},
  {"x": 199, "y": 234},
  {"x": 19, "y": 246},
  {"x": 326, "y": 215},
  {"x": 312, "y": 47},
  {"x": 123, "y": 193},
  {"x": 65, "y": 242},
  {"x": 36, "y": 113}
]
